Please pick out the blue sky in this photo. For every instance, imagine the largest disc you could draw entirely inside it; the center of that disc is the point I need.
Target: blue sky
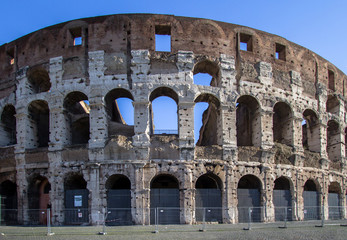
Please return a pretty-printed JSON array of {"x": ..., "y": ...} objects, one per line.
[{"x": 320, "y": 26}]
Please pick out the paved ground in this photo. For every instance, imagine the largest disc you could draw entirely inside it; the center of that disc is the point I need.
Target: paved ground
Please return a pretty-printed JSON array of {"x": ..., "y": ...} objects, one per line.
[{"x": 297, "y": 231}]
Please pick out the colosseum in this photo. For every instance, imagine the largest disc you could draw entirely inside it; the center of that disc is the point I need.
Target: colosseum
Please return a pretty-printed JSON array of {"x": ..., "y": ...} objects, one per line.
[{"x": 273, "y": 134}]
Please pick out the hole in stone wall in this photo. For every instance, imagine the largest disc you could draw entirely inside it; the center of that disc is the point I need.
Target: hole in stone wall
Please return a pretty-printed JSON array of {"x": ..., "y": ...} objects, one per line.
[
  {"x": 76, "y": 36},
  {"x": 282, "y": 124},
  {"x": 164, "y": 111},
  {"x": 120, "y": 112},
  {"x": 249, "y": 182},
  {"x": 163, "y": 38},
  {"x": 333, "y": 140},
  {"x": 247, "y": 121},
  {"x": 8, "y": 192},
  {"x": 10, "y": 54},
  {"x": 331, "y": 80},
  {"x": 199, "y": 110},
  {"x": 39, "y": 124},
  {"x": 206, "y": 73},
  {"x": 282, "y": 183},
  {"x": 77, "y": 110},
  {"x": 209, "y": 131},
  {"x": 38, "y": 80},
  {"x": 280, "y": 51},
  {"x": 310, "y": 131},
  {"x": 8, "y": 126},
  {"x": 334, "y": 187},
  {"x": 246, "y": 42},
  {"x": 333, "y": 104},
  {"x": 74, "y": 181},
  {"x": 38, "y": 198},
  {"x": 310, "y": 185},
  {"x": 118, "y": 181}
]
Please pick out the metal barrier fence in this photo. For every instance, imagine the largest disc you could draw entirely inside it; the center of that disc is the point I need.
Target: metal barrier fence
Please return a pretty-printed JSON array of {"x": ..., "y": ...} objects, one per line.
[{"x": 163, "y": 219}]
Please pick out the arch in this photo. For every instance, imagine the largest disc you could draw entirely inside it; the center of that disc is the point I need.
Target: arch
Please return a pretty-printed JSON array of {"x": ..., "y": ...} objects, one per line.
[
  {"x": 164, "y": 109},
  {"x": 8, "y": 192},
  {"x": 120, "y": 112},
  {"x": 248, "y": 196},
  {"x": 210, "y": 132},
  {"x": 248, "y": 121},
  {"x": 166, "y": 198},
  {"x": 118, "y": 200},
  {"x": 334, "y": 203},
  {"x": 210, "y": 68},
  {"x": 311, "y": 200},
  {"x": 8, "y": 126},
  {"x": 333, "y": 104},
  {"x": 282, "y": 199},
  {"x": 76, "y": 199},
  {"x": 208, "y": 198},
  {"x": 77, "y": 123},
  {"x": 163, "y": 91},
  {"x": 38, "y": 113},
  {"x": 310, "y": 131},
  {"x": 333, "y": 141},
  {"x": 38, "y": 79},
  {"x": 283, "y": 124},
  {"x": 38, "y": 199}
]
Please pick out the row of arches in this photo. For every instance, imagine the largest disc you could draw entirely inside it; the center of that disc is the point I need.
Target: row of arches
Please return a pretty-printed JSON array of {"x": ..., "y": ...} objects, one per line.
[
  {"x": 165, "y": 193},
  {"x": 120, "y": 112}
]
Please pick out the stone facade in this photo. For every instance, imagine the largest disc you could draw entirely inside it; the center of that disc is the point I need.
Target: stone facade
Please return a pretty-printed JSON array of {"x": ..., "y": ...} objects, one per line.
[{"x": 275, "y": 110}]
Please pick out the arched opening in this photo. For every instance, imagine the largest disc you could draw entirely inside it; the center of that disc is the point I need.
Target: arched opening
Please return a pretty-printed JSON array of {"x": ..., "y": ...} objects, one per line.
[
  {"x": 248, "y": 196},
  {"x": 209, "y": 132},
  {"x": 165, "y": 200},
  {"x": 282, "y": 124},
  {"x": 118, "y": 200},
  {"x": 8, "y": 193},
  {"x": 208, "y": 198},
  {"x": 333, "y": 105},
  {"x": 206, "y": 73},
  {"x": 310, "y": 131},
  {"x": 8, "y": 126},
  {"x": 120, "y": 112},
  {"x": 38, "y": 79},
  {"x": 311, "y": 201},
  {"x": 248, "y": 122},
  {"x": 335, "y": 210},
  {"x": 38, "y": 124},
  {"x": 77, "y": 109},
  {"x": 38, "y": 199},
  {"x": 282, "y": 199},
  {"x": 76, "y": 199},
  {"x": 164, "y": 110},
  {"x": 333, "y": 141}
]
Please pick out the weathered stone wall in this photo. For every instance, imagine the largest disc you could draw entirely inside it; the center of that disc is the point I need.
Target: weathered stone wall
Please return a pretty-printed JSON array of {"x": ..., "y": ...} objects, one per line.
[{"x": 118, "y": 54}]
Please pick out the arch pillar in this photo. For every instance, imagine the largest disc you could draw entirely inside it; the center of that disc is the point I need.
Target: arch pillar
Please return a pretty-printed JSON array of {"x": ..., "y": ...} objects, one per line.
[
  {"x": 187, "y": 195},
  {"x": 186, "y": 130}
]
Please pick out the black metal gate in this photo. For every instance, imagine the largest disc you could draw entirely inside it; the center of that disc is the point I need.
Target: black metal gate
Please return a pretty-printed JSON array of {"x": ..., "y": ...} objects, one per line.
[
  {"x": 76, "y": 206},
  {"x": 167, "y": 202},
  {"x": 119, "y": 207},
  {"x": 248, "y": 198},
  {"x": 282, "y": 203},
  {"x": 210, "y": 201},
  {"x": 311, "y": 205},
  {"x": 334, "y": 206}
]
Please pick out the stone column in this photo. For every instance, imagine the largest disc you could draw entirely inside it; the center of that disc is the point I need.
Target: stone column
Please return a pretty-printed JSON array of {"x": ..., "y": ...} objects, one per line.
[
  {"x": 94, "y": 193},
  {"x": 140, "y": 196},
  {"x": 185, "y": 64},
  {"x": 56, "y": 72},
  {"x": 229, "y": 213},
  {"x": 186, "y": 130},
  {"x": 187, "y": 195},
  {"x": 266, "y": 128},
  {"x": 298, "y": 197}
]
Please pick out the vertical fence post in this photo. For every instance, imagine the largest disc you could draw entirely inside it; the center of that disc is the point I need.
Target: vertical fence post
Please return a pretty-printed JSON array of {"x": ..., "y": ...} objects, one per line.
[
  {"x": 322, "y": 217},
  {"x": 249, "y": 219},
  {"x": 285, "y": 217},
  {"x": 156, "y": 215},
  {"x": 104, "y": 216},
  {"x": 203, "y": 220},
  {"x": 49, "y": 230}
]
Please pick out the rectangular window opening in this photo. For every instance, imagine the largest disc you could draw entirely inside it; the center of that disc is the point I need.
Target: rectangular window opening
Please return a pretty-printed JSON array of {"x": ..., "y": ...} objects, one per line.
[
  {"x": 10, "y": 53},
  {"x": 331, "y": 80},
  {"x": 163, "y": 38},
  {"x": 280, "y": 52},
  {"x": 246, "y": 42},
  {"x": 76, "y": 34}
]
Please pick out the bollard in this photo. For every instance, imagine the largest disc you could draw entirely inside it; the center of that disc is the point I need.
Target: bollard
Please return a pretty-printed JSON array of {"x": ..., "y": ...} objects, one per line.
[
  {"x": 104, "y": 214},
  {"x": 203, "y": 221},
  {"x": 49, "y": 230},
  {"x": 156, "y": 216},
  {"x": 285, "y": 218},
  {"x": 249, "y": 219}
]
